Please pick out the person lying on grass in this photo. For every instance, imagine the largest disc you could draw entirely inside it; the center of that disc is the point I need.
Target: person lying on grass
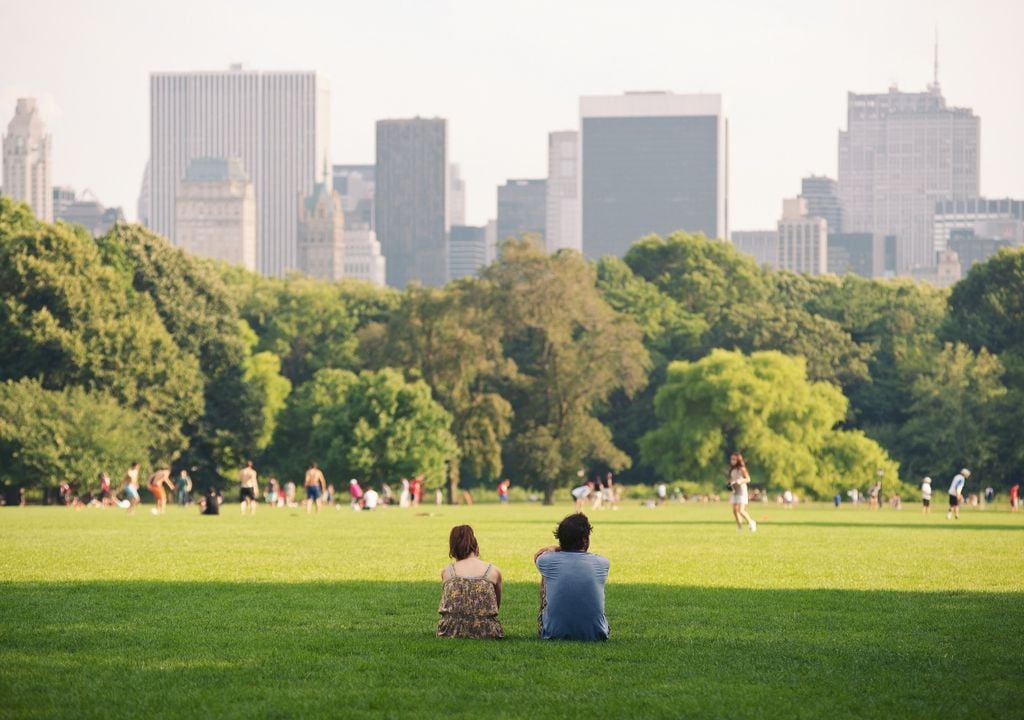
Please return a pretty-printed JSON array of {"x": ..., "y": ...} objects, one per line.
[
  {"x": 572, "y": 585},
  {"x": 470, "y": 591}
]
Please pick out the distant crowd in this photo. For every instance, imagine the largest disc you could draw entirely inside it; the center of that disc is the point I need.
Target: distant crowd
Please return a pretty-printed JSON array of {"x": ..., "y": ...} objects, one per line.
[{"x": 599, "y": 492}]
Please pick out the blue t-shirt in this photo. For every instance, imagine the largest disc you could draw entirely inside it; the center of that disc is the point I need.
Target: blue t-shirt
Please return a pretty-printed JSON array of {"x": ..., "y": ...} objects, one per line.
[{"x": 575, "y": 592}]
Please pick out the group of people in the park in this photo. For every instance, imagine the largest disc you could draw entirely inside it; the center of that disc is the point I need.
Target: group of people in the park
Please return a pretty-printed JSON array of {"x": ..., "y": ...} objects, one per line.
[
  {"x": 601, "y": 492},
  {"x": 571, "y": 587}
]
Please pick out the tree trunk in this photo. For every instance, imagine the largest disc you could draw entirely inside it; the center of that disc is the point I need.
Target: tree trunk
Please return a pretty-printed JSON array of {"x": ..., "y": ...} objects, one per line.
[
  {"x": 453, "y": 482},
  {"x": 549, "y": 493}
]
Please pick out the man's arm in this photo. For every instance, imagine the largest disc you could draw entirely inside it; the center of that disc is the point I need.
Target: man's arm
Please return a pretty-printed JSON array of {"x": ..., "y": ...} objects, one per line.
[{"x": 549, "y": 548}]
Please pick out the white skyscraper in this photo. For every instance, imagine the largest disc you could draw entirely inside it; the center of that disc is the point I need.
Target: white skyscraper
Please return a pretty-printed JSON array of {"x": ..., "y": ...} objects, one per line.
[
  {"x": 277, "y": 123},
  {"x": 27, "y": 165},
  {"x": 215, "y": 212},
  {"x": 901, "y": 154},
  {"x": 803, "y": 240},
  {"x": 563, "y": 203}
]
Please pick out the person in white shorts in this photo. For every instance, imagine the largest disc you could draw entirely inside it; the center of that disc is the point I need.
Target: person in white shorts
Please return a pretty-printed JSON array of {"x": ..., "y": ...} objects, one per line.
[
  {"x": 926, "y": 495},
  {"x": 581, "y": 493},
  {"x": 739, "y": 478}
]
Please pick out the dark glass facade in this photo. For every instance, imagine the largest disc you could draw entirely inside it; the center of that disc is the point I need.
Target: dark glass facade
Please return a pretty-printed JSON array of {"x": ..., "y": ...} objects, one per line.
[
  {"x": 643, "y": 175},
  {"x": 411, "y": 200},
  {"x": 522, "y": 208}
]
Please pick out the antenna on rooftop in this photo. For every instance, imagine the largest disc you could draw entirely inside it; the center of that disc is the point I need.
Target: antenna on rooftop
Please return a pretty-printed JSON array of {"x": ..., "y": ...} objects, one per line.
[{"x": 935, "y": 67}]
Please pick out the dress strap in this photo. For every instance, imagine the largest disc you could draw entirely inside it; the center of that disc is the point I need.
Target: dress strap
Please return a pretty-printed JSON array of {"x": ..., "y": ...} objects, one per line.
[
  {"x": 489, "y": 566},
  {"x": 452, "y": 573}
]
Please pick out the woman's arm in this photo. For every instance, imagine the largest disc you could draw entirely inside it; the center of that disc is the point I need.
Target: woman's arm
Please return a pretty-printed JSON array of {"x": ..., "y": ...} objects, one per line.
[{"x": 497, "y": 587}]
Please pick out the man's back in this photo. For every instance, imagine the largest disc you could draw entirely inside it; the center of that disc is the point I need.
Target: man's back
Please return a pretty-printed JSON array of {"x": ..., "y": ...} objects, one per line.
[{"x": 574, "y": 583}]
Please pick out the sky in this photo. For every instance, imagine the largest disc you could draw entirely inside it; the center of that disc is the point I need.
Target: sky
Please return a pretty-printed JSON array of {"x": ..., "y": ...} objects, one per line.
[{"x": 505, "y": 74}]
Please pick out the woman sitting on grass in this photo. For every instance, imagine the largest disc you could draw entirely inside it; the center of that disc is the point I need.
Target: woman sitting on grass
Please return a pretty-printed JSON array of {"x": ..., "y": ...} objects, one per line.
[{"x": 471, "y": 591}]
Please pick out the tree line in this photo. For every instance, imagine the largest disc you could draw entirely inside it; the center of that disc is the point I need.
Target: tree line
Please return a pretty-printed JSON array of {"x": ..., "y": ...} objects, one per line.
[{"x": 654, "y": 366}]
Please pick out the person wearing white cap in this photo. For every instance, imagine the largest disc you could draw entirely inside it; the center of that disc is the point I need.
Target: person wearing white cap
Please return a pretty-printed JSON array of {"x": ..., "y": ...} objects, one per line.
[
  {"x": 926, "y": 495},
  {"x": 956, "y": 493}
]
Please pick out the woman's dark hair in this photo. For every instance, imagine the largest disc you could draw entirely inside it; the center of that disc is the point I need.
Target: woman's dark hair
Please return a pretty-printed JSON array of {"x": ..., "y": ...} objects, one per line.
[
  {"x": 739, "y": 461},
  {"x": 573, "y": 533},
  {"x": 462, "y": 542}
]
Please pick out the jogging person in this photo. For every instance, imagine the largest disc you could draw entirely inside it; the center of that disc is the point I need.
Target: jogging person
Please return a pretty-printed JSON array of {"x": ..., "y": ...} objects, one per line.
[{"x": 739, "y": 478}]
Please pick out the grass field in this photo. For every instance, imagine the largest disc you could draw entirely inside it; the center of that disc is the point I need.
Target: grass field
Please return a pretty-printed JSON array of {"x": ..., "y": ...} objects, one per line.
[{"x": 820, "y": 614}]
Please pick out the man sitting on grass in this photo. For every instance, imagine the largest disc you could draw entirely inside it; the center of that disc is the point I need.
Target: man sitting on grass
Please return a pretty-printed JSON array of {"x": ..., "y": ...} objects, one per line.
[{"x": 572, "y": 585}]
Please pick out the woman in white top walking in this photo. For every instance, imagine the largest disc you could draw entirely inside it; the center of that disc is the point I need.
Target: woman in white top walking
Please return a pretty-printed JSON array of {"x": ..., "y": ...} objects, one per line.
[{"x": 739, "y": 478}]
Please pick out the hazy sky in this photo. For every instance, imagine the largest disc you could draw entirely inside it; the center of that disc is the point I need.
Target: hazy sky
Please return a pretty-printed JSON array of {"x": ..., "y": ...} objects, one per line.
[{"x": 505, "y": 73}]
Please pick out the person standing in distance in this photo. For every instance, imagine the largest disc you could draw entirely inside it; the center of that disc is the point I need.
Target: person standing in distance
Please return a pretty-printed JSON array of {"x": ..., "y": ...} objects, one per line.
[
  {"x": 316, "y": 485},
  {"x": 248, "y": 488},
  {"x": 739, "y": 478},
  {"x": 956, "y": 493},
  {"x": 926, "y": 495}
]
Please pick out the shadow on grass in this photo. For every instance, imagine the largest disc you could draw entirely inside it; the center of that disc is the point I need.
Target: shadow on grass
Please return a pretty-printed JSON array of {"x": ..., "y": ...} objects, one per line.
[{"x": 366, "y": 649}]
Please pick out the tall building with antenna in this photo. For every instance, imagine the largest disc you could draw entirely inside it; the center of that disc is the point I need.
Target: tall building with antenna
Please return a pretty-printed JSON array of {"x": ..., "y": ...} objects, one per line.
[{"x": 900, "y": 154}]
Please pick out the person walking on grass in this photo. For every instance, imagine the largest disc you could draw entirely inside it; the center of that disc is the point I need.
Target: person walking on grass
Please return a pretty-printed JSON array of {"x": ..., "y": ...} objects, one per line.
[
  {"x": 248, "y": 487},
  {"x": 315, "y": 487},
  {"x": 572, "y": 585},
  {"x": 956, "y": 493},
  {"x": 470, "y": 591},
  {"x": 739, "y": 479},
  {"x": 926, "y": 495},
  {"x": 157, "y": 481}
]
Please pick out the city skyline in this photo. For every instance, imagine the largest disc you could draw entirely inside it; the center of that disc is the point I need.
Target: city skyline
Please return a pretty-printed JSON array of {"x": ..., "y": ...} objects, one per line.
[{"x": 501, "y": 102}]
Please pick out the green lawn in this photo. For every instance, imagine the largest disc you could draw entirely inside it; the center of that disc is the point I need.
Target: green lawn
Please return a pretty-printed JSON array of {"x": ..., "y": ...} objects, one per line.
[{"x": 821, "y": 614}]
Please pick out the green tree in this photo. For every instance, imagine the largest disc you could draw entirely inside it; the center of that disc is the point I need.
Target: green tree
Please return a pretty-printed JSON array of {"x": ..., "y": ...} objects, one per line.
[
  {"x": 448, "y": 338},
  {"x": 954, "y": 414},
  {"x": 761, "y": 405},
  {"x": 571, "y": 351},
  {"x": 669, "y": 333},
  {"x": 373, "y": 426},
  {"x": 986, "y": 309},
  {"x": 196, "y": 307},
  {"x": 51, "y": 436},
  {"x": 67, "y": 319}
]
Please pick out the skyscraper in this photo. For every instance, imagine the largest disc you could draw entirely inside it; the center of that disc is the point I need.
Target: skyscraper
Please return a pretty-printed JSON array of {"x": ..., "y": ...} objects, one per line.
[
  {"x": 456, "y": 196},
  {"x": 562, "y": 225},
  {"x": 762, "y": 245},
  {"x": 357, "y": 186},
  {"x": 411, "y": 200},
  {"x": 651, "y": 163},
  {"x": 900, "y": 154},
  {"x": 803, "y": 240},
  {"x": 85, "y": 210},
  {"x": 522, "y": 208},
  {"x": 27, "y": 164},
  {"x": 277, "y": 123},
  {"x": 321, "y": 249},
  {"x": 467, "y": 250},
  {"x": 822, "y": 196},
  {"x": 215, "y": 212}
]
